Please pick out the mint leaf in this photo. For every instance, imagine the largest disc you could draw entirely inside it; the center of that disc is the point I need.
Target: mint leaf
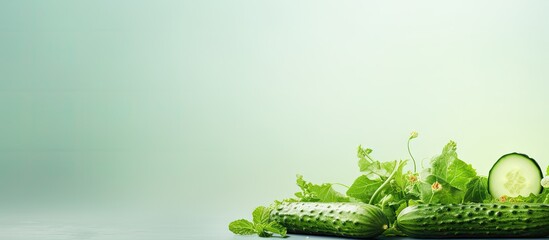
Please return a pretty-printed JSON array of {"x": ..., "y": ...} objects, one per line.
[
  {"x": 242, "y": 227},
  {"x": 363, "y": 188},
  {"x": 262, "y": 226},
  {"x": 276, "y": 228},
  {"x": 265, "y": 234},
  {"x": 448, "y": 167},
  {"x": 477, "y": 190},
  {"x": 261, "y": 231},
  {"x": 261, "y": 215}
]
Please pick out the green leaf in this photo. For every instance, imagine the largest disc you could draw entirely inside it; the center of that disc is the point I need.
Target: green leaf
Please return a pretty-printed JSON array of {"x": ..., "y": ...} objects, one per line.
[
  {"x": 265, "y": 234},
  {"x": 364, "y": 164},
  {"x": 401, "y": 207},
  {"x": 400, "y": 178},
  {"x": 477, "y": 190},
  {"x": 363, "y": 188},
  {"x": 261, "y": 231},
  {"x": 451, "y": 169},
  {"x": 388, "y": 167},
  {"x": 364, "y": 153},
  {"x": 446, "y": 194},
  {"x": 261, "y": 215},
  {"x": 543, "y": 197},
  {"x": 547, "y": 171},
  {"x": 305, "y": 195},
  {"x": 368, "y": 165},
  {"x": 369, "y": 168},
  {"x": 375, "y": 170},
  {"x": 276, "y": 228},
  {"x": 318, "y": 193},
  {"x": 326, "y": 193},
  {"x": 242, "y": 227},
  {"x": 393, "y": 232}
]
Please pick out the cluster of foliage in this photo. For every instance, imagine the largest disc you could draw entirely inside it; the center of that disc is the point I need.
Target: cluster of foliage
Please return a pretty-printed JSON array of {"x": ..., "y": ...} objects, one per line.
[{"x": 385, "y": 184}]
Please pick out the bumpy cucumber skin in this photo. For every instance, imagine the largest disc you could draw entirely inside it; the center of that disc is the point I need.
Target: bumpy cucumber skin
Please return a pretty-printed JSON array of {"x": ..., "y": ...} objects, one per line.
[
  {"x": 356, "y": 220},
  {"x": 476, "y": 220}
]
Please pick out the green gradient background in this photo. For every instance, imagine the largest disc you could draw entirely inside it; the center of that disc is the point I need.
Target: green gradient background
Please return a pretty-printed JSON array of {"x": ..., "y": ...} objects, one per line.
[{"x": 210, "y": 108}]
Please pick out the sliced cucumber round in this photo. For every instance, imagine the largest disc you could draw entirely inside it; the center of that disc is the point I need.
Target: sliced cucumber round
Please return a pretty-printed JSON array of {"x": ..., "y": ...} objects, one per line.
[{"x": 515, "y": 174}]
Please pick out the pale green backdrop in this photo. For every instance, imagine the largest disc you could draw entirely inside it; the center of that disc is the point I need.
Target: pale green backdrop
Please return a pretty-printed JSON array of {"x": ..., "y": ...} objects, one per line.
[{"x": 206, "y": 109}]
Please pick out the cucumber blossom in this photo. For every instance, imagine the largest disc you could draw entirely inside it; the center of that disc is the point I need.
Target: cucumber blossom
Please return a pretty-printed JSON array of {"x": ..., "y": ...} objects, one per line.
[
  {"x": 500, "y": 220},
  {"x": 357, "y": 220}
]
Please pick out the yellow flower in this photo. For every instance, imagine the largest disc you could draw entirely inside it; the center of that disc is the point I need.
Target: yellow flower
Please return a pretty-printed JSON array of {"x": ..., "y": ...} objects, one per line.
[
  {"x": 413, "y": 135},
  {"x": 412, "y": 178},
  {"x": 503, "y": 198},
  {"x": 436, "y": 186}
]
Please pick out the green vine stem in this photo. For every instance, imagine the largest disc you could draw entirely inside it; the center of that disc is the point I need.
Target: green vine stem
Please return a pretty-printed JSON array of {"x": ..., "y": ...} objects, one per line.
[
  {"x": 412, "y": 136},
  {"x": 378, "y": 190}
]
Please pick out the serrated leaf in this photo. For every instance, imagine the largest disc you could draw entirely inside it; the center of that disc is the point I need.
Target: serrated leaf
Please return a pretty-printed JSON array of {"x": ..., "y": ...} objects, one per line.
[
  {"x": 242, "y": 227},
  {"x": 446, "y": 193},
  {"x": 302, "y": 183},
  {"x": 363, "y": 188},
  {"x": 363, "y": 164},
  {"x": 363, "y": 153},
  {"x": 448, "y": 167},
  {"x": 373, "y": 170},
  {"x": 388, "y": 166},
  {"x": 261, "y": 231},
  {"x": 366, "y": 163},
  {"x": 318, "y": 193},
  {"x": 377, "y": 170},
  {"x": 477, "y": 190},
  {"x": 305, "y": 195},
  {"x": 543, "y": 197},
  {"x": 326, "y": 193},
  {"x": 261, "y": 215}
]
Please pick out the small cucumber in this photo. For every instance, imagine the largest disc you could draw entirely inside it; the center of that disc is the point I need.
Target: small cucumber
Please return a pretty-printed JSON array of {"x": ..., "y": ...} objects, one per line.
[
  {"x": 478, "y": 220},
  {"x": 357, "y": 220}
]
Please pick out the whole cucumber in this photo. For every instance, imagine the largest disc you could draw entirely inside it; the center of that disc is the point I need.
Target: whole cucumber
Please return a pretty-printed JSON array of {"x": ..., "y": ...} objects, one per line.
[
  {"x": 357, "y": 220},
  {"x": 476, "y": 220}
]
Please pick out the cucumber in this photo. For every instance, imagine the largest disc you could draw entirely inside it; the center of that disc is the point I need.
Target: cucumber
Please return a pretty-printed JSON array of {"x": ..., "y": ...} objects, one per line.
[
  {"x": 515, "y": 174},
  {"x": 475, "y": 220},
  {"x": 357, "y": 220}
]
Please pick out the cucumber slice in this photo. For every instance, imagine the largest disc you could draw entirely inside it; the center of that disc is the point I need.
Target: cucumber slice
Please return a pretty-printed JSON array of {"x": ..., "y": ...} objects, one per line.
[{"x": 515, "y": 174}]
